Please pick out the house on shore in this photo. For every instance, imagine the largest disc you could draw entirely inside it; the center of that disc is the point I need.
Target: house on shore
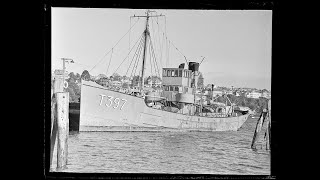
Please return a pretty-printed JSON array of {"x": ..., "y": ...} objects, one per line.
[{"x": 253, "y": 94}]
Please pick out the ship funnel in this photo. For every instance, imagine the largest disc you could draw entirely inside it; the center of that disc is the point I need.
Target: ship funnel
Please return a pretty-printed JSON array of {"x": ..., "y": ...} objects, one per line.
[
  {"x": 194, "y": 66},
  {"x": 181, "y": 66}
]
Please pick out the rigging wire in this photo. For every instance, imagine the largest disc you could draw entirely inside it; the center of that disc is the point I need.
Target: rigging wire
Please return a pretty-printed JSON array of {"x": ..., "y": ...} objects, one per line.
[
  {"x": 166, "y": 52},
  {"x": 202, "y": 60},
  {"x": 134, "y": 64},
  {"x": 150, "y": 59},
  {"x": 165, "y": 29},
  {"x": 165, "y": 34},
  {"x": 155, "y": 59},
  {"x": 129, "y": 35},
  {"x": 115, "y": 45},
  {"x": 152, "y": 63},
  {"x": 169, "y": 50},
  {"x": 153, "y": 27},
  {"x": 125, "y": 57},
  {"x": 179, "y": 51},
  {"x": 137, "y": 59},
  {"x": 160, "y": 45},
  {"x": 153, "y": 50},
  {"x": 156, "y": 68},
  {"x": 139, "y": 46},
  {"x": 150, "y": 36},
  {"x": 130, "y": 66},
  {"x": 109, "y": 61}
]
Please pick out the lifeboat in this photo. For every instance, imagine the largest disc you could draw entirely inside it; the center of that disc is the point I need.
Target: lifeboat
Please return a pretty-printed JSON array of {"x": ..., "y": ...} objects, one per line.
[
  {"x": 185, "y": 98},
  {"x": 153, "y": 96}
]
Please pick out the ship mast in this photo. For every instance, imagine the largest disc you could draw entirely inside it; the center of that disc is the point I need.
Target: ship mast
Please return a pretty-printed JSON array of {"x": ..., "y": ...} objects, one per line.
[{"x": 146, "y": 34}]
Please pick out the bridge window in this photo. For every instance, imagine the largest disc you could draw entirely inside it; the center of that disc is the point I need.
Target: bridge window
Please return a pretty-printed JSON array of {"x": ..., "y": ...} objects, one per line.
[
  {"x": 180, "y": 73},
  {"x": 172, "y": 73},
  {"x": 176, "y": 73},
  {"x": 171, "y": 88},
  {"x": 176, "y": 88},
  {"x": 164, "y": 73},
  {"x": 186, "y": 74},
  {"x": 168, "y": 73}
]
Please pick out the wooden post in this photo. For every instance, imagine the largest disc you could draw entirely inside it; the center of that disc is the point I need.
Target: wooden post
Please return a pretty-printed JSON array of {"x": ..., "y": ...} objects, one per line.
[
  {"x": 53, "y": 133},
  {"x": 269, "y": 126},
  {"x": 63, "y": 129},
  {"x": 59, "y": 122},
  {"x": 269, "y": 108},
  {"x": 267, "y": 137},
  {"x": 269, "y": 133},
  {"x": 58, "y": 84},
  {"x": 258, "y": 129},
  {"x": 57, "y": 87}
]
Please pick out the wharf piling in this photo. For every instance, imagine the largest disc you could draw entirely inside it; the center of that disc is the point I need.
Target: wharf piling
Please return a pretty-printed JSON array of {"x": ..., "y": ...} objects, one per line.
[
  {"x": 63, "y": 129},
  {"x": 59, "y": 123},
  {"x": 263, "y": 121},
  {"x": 269, "y": 125},
  {"x": 257, "y": 133},
  {"x": 53, "y": 132}
]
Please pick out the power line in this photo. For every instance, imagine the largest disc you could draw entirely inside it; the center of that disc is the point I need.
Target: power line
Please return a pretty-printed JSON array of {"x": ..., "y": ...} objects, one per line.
[{"x": 82, "y": 64}]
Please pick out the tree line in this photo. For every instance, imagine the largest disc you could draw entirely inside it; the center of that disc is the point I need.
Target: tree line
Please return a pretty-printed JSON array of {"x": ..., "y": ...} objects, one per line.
[{"x": 74, "y": 90}]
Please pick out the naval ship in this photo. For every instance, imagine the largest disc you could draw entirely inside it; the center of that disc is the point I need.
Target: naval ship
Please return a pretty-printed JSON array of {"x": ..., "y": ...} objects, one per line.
[{"x": 179, "y": 105}]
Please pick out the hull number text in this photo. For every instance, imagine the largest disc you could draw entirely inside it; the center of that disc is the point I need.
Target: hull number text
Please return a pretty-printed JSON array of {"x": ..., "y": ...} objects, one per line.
[{"x": 113, "y": 102}]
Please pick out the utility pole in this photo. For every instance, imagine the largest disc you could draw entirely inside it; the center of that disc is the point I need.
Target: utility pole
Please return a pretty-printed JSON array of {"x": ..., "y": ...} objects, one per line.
[{"x": 64, "y": 65}]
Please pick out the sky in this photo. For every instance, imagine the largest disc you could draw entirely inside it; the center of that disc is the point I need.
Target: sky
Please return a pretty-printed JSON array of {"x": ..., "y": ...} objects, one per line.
[{"x": 235, "y": 44}]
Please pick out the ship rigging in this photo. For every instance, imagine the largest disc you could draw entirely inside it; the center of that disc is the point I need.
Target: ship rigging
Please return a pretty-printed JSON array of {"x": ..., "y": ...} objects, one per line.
[{"x": 179, "y": 105}]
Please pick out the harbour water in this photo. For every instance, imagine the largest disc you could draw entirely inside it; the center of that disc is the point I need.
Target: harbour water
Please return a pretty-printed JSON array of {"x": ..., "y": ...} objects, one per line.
[{"x": 167, "y": 152}]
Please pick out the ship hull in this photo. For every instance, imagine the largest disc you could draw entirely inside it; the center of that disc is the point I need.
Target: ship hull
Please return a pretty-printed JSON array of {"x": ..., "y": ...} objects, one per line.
[{"x": 102, "y": 109}]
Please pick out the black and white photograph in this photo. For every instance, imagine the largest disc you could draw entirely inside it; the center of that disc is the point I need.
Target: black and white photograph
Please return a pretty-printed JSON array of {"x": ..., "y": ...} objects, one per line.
[{"x": 160, "y": 91}]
